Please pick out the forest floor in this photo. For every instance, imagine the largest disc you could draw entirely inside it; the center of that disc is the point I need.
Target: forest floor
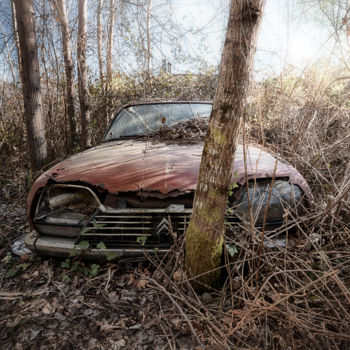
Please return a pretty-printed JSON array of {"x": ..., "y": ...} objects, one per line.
[
  {"x": 46, "y": 306},
  {"x": 287, "y": 297}
]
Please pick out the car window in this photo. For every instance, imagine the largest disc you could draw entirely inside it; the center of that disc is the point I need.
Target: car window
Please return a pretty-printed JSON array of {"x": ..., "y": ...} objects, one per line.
[{"x": 142, "y": 119}]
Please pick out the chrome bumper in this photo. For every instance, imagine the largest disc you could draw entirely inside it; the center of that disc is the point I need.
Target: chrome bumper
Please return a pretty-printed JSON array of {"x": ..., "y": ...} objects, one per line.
[{"x": 62, "y": 247}]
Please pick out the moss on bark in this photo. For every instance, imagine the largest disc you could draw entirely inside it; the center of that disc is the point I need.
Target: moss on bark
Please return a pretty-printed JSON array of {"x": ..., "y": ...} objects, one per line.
[
  {"x": 207, "y": 254},
  {"x": 218, "y": 136}
]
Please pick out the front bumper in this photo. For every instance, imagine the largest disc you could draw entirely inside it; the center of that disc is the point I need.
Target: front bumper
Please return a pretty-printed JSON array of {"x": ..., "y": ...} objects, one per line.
[{"x": 62, "y": 247}]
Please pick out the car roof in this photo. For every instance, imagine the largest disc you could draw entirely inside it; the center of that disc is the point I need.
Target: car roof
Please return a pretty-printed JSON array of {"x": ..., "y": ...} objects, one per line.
[{"x": 137, "y": 103}]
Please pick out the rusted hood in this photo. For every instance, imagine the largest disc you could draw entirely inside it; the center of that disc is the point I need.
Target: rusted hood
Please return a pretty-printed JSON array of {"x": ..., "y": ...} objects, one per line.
[{"x": 122, "y": 166}]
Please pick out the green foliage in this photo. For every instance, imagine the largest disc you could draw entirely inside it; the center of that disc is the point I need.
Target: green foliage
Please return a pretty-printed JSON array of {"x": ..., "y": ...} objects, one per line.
[
  {"x": 13, "y": 266},
  {"x": 142, "y": 240},
  {"x": 84, "y": 230},
  {"x": 11, "y": 272},
  {"x": 65, "y": 264},
  {"x": 111, "y": 256},
  {"x": 232, "y": 250},
  {"x": 94, "y": 269},
  {"x": 7, "y": 259},
  {"x": 96, "y": 225},
  {"x": 80, "y": 266},
  {"x": 101, "y": 245},
  {"x": 83, "y": 245},
  {"x": 66, "y": 279}
]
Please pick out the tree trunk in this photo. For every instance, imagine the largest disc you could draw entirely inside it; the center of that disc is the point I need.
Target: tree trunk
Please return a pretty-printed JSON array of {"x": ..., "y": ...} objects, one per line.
[
  {"x": 110, "y": 42},
  {"x": 30, "y": 74},
  {"x": 99, "y": 41},
  {"x": 148, "y": 38},
  {"x": 205, "y": 234},
  {"x": 15, "y": 35},
  {"x": 85, "y": 140},
  {"x": 61, "y": 9},
  {"x": 8, "y": 56}
]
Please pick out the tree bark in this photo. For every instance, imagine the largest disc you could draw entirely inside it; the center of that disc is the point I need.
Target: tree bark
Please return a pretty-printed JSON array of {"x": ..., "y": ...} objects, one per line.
[
  {"x": 15, "y": 35},
  {"x": 205, "y": 234},
  {"x": 148, "y": 38},
  {"x": 61, "y": 9},
  {"x": 30, "y": 75},
  {"x": 110, "y": 42},
  {"x": 85, "y": 140},
  {"x": 99, "y": 41}
]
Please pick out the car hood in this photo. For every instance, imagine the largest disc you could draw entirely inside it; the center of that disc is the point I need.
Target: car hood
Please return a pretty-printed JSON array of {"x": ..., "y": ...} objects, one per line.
[{"x": 122, "y": 166}]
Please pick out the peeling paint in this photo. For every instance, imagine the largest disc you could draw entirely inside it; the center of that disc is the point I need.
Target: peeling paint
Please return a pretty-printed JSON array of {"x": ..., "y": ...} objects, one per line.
[{"x": 168, "y": 169}]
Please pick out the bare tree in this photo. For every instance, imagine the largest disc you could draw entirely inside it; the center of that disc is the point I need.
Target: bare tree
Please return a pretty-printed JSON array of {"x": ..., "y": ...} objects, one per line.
[
  {"x": 99, "y": 40},
  {"x": 82, "y": 77},
  {"x": 15, "y": 35},
  {"x": 148, "y": 38},
  {"x": 61, "y": 10},
  {"x": 30, "y": 75},
  {"x": 205, "y": 234},
  {"x": 110, "y": 41}
]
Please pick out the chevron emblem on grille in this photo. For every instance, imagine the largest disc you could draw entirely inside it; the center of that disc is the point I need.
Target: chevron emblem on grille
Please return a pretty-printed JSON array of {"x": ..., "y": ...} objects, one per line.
[{"x": 163, "y": 227}]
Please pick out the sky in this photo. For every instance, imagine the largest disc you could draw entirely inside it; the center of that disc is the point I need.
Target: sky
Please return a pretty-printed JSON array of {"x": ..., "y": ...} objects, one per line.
[{"x": 285, "y": 39}]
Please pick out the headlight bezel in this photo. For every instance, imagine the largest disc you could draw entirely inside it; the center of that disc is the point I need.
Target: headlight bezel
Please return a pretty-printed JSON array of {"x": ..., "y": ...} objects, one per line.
[
  {"x": 286, "y": 199},
  {"x": 54, "y": 214}
]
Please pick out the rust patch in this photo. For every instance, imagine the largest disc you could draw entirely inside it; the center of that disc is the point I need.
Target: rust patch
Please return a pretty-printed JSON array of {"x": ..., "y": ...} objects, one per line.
[{"x": 156, "y": 168}]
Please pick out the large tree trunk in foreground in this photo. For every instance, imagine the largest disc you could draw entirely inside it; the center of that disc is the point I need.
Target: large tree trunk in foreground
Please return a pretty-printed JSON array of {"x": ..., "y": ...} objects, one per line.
[
  {"x": 61, "y": 9},
  {"x": 30, "y": 75},
  {"x": 205, "y": 234},
  {"x": 85, "y": 140}
]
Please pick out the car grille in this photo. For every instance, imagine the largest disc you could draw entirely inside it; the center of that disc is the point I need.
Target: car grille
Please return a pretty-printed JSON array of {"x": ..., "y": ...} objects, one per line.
[{"x": 130, "y": 228}]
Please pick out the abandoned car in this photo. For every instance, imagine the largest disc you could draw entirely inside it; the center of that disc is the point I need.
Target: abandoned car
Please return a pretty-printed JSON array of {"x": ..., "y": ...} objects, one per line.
[{"x": 134, "y": 192}]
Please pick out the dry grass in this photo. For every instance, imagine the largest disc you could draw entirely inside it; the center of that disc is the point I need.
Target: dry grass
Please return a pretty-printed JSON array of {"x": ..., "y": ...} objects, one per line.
[{"x": 294, "y": 297}]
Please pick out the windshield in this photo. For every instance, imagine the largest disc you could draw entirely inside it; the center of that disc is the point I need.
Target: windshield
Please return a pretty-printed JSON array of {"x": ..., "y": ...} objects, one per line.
[{"x": 143, "y": 119}]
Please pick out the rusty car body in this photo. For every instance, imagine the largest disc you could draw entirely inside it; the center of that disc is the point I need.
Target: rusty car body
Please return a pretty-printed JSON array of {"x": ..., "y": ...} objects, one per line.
[{"x": 133, "y": 192}]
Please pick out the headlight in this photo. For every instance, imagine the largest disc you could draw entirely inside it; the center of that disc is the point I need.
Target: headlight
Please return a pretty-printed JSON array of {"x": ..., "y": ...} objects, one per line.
[
  {"x": 63, "y": 210},
  {"x": 284, "y": 196}
]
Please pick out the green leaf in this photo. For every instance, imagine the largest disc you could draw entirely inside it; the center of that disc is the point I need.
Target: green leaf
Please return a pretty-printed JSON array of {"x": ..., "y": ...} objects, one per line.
[
  {"x": 75, "y": 266},
  {"x": 94, "y": 269},
  {"x": 7, "y": 259},
  {"x": 83, "y": 245},
  {"x": 141, "y": 239},
  {"x": 66, "y": 278},
  {"x": 231, "y": 249},
  {"x": 10, "y": 273},
  {"x": 84, "y": 230},
  {"x": 111, "y": 256},
  {"x": 96, "y": 224},
  {"x": 73, "y": 253},
  {"x": 101, "y": 245},
  {"x": 65, "y": 264},
  {"x": 24, "y": 266}
]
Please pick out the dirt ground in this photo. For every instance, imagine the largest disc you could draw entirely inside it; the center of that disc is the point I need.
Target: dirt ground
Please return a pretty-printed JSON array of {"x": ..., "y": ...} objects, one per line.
[{"x": 45, "y": 306}]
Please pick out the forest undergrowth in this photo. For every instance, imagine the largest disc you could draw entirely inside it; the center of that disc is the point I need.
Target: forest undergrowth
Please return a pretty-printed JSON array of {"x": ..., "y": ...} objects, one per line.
[{"x": 295, "y": 296}]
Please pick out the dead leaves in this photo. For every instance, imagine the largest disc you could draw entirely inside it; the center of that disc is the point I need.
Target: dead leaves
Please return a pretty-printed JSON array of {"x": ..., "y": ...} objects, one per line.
[
  {"x": 141, "y": 284},
  {"x": 47, "y": 309},
  {"x": 179, "y": 275}
]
